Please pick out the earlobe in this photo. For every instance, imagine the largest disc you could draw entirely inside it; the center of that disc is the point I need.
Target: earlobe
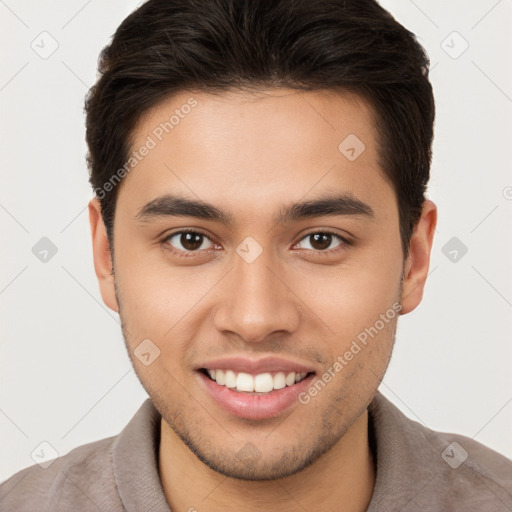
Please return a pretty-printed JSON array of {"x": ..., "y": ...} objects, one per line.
[
  {"x": 102, "y": 256},
  {"x": 418, "y": 260}
]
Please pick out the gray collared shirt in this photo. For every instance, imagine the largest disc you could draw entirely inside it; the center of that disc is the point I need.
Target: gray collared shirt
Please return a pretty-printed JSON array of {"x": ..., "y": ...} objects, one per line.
[{"x": 418, "y": 469}]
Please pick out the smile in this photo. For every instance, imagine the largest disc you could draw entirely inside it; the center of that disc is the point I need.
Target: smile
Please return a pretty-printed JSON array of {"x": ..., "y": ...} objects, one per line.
[{"x": 259, "y": 383}]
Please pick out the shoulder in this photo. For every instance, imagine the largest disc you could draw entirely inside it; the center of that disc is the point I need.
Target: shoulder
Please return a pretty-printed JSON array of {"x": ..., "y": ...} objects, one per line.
[
  {"x": 471, "y": 472},
  {"x": 83, "y": 479},
  {"x": 423, "y": 469}
]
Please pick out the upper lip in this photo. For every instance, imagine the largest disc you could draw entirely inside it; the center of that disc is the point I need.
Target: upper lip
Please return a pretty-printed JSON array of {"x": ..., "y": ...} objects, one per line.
[{"x": 256, "y": 366}]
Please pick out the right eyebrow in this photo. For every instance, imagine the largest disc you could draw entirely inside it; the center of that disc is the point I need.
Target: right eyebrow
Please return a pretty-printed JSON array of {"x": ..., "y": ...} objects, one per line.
[{"x": 170, "y": 205}]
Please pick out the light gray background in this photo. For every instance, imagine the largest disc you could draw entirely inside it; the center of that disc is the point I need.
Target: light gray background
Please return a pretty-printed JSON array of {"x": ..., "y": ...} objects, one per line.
[{"x": 65, "y": 377}]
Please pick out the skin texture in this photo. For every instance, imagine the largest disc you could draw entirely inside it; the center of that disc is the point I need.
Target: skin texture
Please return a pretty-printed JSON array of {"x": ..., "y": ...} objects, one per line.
[{"x": 250, "y": 155}]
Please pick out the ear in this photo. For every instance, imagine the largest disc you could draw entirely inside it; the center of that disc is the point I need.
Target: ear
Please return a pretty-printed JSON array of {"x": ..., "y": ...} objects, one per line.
[
  {"x": 418, "y": 259},
  {"x": 102, "y": 256}
]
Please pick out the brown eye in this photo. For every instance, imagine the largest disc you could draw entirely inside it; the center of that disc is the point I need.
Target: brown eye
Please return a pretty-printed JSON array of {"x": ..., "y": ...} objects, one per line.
[
  {"x": 189, "y": 241},
  {"x": 321, "y": 241}
]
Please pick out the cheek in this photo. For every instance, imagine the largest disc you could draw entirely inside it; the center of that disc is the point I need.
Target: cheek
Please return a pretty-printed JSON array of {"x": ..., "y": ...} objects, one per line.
[
  {"x": 161, "y": 302},
  {"x": 352, "y": 297}
]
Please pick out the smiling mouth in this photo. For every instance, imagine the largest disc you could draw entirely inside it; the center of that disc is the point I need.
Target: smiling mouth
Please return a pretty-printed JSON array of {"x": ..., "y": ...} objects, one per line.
[{"x": 261, "y": 383}]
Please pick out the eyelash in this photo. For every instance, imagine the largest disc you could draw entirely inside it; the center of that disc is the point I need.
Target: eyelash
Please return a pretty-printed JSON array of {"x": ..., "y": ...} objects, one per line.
[{"x": 186, "y": 254}]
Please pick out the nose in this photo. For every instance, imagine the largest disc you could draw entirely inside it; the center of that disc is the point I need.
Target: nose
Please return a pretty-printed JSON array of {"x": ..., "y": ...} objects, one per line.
[{"x": 256, "y": 301}]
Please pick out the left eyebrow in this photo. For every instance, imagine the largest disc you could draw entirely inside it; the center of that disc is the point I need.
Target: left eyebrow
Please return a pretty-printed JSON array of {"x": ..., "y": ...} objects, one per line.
[{"x": 331, "y": 205}]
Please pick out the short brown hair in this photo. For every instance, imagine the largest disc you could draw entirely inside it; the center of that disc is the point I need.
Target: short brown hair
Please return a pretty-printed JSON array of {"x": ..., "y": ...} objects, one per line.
[{"x": 167, "y": 46}]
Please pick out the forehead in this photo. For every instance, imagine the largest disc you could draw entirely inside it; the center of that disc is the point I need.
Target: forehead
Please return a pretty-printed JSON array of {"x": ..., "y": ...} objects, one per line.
[{"x": 250, "y": 147}]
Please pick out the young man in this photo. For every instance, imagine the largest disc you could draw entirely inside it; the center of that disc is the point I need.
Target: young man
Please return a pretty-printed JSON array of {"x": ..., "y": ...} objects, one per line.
[{"x": 260, "y": 223}]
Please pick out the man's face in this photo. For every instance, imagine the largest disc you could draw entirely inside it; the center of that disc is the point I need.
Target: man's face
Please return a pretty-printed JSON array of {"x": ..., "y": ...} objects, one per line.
[{"x": 264, "y": 293}]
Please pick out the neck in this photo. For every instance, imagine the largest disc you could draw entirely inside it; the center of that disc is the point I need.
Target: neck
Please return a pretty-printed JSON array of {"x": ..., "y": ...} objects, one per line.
[{"x": 341, "y": 479}]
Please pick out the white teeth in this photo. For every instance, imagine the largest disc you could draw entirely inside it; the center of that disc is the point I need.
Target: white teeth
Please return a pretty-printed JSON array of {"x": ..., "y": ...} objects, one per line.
[
  {"x": 230, "y": 379},
  {"x": 290, "y": 379},
  {"x": 244, "y": 382},
  {"x": 261, "y": 383},
  {"x": 220, "y": 377},
  {"x": 279, "y": 380}
]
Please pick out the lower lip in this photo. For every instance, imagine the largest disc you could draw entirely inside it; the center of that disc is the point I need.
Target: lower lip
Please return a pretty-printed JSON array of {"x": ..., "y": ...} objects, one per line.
[{"x": 255, "y": 406}]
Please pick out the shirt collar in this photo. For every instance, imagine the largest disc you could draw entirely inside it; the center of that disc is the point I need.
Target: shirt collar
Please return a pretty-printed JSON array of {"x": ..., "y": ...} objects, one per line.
[
  {"x": 406, "y": 454},
  {"x": 135, "y": 460}
]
